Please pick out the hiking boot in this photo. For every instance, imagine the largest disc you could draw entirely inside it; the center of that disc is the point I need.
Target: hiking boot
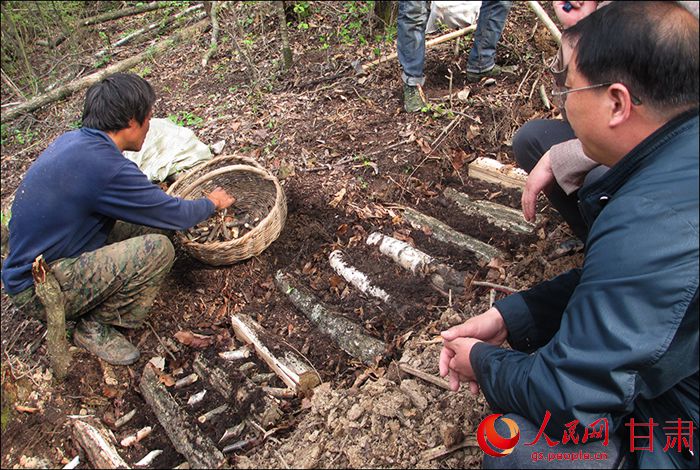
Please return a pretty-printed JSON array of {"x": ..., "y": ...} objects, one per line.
[
  {"x": 413, "y": 98},
  {"x": 105, "y": 342},
  {"x": 474, "y": 77}
]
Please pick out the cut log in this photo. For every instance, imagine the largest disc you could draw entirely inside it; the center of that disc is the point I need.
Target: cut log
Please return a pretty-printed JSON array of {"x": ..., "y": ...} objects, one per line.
[
  {"x": 497, "y": 214},
  {"x": 490, "y": 170},
  {"x": 215, "y": 376},
  {"x": 446, "y": 234},
  {"x": 186, "y": 437},
  {"x": 349, "y": 336},
  {"x": 49, "y": 293},
  {"x": 113, "y": 15},
  {"x": 160, "y": 25},
  {"x": 245, "y": 394},
  {"x": 289, "y": 367},
  {"x": 441, "y": 276},
  {"x": 355, "y": 277},
  {"x": 70, "y": 88},
  {"x": 99, "y": 449}
]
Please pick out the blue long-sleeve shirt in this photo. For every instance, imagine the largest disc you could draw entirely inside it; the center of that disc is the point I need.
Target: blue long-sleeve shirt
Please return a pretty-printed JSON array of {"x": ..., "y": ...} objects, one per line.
[{"x": 71, "y": 197}]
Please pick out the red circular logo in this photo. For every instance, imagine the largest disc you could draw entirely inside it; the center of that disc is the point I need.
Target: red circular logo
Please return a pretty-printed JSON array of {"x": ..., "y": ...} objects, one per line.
[{"x": 490, "y": 441}]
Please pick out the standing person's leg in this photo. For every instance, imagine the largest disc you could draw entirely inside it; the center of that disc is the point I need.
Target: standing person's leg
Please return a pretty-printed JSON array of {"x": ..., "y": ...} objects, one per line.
[
  {"x": 489, "y": 26},
  {"x": 410, "y": 43},
  {"x": 531, "y": 141},
  {"x": 592, "y": 454}
]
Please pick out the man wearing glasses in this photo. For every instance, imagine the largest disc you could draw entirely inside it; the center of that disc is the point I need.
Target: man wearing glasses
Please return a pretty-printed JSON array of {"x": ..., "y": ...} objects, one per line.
[
  {"x": 548, "y": 149},
  {"x": 617, "y": 340}
]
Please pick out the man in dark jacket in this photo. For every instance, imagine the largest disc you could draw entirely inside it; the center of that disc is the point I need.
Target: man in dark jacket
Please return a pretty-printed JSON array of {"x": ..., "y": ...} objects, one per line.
[
  {"x": 615, "y": 342},
  {"x": 78, "y": 206}
]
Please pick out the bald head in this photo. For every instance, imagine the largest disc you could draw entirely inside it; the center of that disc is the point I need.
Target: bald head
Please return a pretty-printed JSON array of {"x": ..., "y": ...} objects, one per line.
[{"x": 650, "y": 47}]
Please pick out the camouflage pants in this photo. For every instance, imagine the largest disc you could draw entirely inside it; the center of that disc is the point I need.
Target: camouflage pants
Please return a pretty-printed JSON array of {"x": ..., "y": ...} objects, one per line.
[{"x": 116, "y": 284}]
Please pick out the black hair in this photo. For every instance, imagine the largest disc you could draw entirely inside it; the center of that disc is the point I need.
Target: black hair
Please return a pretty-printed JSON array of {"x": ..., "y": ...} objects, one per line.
[
  {"x": 112, "y": 102},
  {"x": 650, "y": 47}
]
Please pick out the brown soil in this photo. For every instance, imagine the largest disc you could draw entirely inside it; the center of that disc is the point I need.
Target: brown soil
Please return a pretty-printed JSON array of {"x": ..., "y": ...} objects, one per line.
[{"x": 318, "y": 139}]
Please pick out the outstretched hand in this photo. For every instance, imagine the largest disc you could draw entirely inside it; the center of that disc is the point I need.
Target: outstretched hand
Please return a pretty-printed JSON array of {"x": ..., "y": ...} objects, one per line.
[
  {"x": 540, "y": 179},
  {"x": 221, "y": 198}
]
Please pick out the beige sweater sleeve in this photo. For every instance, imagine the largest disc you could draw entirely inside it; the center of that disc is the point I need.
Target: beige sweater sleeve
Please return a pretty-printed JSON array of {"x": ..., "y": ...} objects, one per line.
[{"x": 570, "y": 165}]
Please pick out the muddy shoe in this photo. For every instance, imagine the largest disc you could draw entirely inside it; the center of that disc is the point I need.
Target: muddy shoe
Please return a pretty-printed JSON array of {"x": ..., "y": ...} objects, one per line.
[
  {"x": 413, "y": 98},
  {"x": 105, "y": 342},
  {"x": 474, "y": 77}
]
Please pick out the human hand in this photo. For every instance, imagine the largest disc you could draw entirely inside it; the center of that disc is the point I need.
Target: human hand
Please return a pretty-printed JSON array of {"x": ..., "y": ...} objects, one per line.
[
  {"x": 488, "y": 327},
  {"x": 540, "y": 179},
  {"x": 459, "y": 369},
  {"x": 578, "y": 11},
  {"x": 221, "y": 198}
]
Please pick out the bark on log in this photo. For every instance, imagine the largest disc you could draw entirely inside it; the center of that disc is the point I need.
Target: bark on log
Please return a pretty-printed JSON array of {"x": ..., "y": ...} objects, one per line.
[
  {"x": 441, "y": 276},
  {"x": 113, "y": 15},
  {"x": 49, "y": 293},
  {"x": 292, "y": 370},
  {"x": 447, "y": 234},
  {"x": 355, "y": 277},
  {"x": 245, "y": 395},
  {"x": 497, "y": 214},
  {"x": 66, "y": 90},
  {"x": 100, "y": 451},
  {"x": 186, "y": 437},
  {"x": 490, "y": 170},
  {"x": 349, "y": 336},
  {"x": 215, "y": 376},
  {"x": 160, "y": 25}
]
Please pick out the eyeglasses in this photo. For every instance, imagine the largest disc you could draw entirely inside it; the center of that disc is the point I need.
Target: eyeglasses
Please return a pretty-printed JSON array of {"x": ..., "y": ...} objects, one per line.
[
  {"x": 558, "y": 93},
  {"x": 562, "y": 94}
]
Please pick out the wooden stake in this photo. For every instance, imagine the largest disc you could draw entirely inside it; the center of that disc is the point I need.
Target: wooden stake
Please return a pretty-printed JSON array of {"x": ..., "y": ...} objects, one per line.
[
  {"x": 49, "y": 293},
  {"x": 100, "y": 452}
]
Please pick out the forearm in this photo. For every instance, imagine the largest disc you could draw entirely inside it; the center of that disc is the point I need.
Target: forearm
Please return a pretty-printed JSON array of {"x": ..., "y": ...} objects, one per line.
[{"x": 534, "y": 315}]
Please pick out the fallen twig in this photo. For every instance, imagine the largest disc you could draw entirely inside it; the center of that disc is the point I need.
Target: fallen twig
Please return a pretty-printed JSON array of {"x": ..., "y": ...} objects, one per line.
[{"x": 424, "y": 375}]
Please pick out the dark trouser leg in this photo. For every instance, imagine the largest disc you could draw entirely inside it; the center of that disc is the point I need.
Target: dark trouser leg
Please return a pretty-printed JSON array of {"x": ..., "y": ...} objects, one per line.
[
  {"x": 592, "y": 454},
  {"x": 489, "y": 26},
  {"x": 117, "y": 284},
  {"x": 410, "y": 40},
  {"x": 531, "y": 141}
]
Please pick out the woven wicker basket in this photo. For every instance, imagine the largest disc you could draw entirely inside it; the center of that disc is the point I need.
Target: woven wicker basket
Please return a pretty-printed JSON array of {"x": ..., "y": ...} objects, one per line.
[
  {"x": 213, "y": 164},
  {"x": 257, "y": 193}
]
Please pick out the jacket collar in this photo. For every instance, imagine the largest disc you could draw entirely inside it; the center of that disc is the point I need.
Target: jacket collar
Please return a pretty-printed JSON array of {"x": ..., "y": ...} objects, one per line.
[{"x": 594, "y": 197}]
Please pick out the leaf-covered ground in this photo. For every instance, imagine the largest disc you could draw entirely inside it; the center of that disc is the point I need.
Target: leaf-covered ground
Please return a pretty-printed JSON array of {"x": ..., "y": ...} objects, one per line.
[{"x": 348, "y": 159}]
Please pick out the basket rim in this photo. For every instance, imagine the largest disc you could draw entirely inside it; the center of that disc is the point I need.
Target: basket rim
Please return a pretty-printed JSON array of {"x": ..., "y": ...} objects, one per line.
[
  {"x": 279, "y": 201},
  {"x": 211, "y": 162}
]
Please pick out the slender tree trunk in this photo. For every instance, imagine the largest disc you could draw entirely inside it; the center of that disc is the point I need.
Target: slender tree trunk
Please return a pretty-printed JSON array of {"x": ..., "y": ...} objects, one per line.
[
  {"x": 286, "y": 50},
  {"x": 213, "y": 15},
  {"x": 386, "y": 11}
]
